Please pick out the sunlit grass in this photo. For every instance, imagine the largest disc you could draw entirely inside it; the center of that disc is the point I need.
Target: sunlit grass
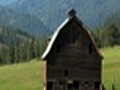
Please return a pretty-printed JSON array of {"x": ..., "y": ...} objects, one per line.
[
  {"x": 25, "y": 76},
  {"x": 111, "y": 67}
]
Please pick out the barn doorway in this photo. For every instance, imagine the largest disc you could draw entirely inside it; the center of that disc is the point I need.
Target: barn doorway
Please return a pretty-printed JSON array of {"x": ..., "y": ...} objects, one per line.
[
  {"x": 97, "y": 85},
  {"x": 49, "y": 85},
  {"x": 73, "y": 85}
]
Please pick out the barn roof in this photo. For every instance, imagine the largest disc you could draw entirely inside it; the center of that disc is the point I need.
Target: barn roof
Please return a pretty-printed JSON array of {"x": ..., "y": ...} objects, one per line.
[
  {"x": 54, "y": 38},
  {"x": 71, "y": 15}
]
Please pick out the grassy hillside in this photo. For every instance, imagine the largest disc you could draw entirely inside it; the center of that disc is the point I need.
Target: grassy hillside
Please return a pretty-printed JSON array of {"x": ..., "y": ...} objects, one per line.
[
  {"x": 29, "y": 76},
  {"x": 26, "y": 76},
  {"x": 111, "y": 67}
]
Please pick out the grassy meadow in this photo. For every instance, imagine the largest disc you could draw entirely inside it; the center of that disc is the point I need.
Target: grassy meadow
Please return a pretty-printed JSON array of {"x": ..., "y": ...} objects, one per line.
[
  {"x": 25, "y": 76},
  {"x": 111, "y": 67},
  {"x": 29, "y": 76}
]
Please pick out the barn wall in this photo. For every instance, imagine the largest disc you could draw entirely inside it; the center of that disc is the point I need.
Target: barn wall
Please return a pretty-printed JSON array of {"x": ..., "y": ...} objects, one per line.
[
  {"x": 72, "y": 53},
  {"x": 75, "y": 56}
]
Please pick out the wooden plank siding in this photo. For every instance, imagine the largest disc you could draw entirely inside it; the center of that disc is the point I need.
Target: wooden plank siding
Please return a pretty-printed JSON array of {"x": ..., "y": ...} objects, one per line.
[{"x": 72, "y": 57}]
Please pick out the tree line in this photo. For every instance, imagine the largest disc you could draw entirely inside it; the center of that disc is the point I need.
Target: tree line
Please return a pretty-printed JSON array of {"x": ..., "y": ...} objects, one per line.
[
  {"x": 17, "y": 46},
  {"x": 21, "y": 53},
  {"x": 108, "y": 36},
  {"x": 109, "y": 33}
]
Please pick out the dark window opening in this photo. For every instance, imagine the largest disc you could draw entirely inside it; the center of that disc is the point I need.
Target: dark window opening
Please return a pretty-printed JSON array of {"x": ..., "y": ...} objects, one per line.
[
  {"x": 49, "y": 85},
  {"x": 90, "y": 48},
  {"x": 86, "y": 84},
  {"x": 61, "y": 83},
  {"x": 66, "y": 73},
  {"x": 73, "y": 86},
  {"x": 97, "y": 85},
  {"x": 70, "y": 87},
  {"x": 76, "y": 85}
]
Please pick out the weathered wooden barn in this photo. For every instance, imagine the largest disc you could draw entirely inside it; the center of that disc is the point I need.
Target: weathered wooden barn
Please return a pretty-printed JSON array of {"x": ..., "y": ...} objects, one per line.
[{"x": 72, "y": 60}]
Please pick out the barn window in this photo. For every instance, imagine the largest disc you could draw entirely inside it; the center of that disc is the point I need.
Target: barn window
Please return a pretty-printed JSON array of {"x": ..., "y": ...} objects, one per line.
[
  {"x": 61, "y": 83},
  {"x": 70, "y": 86},
  {"x": 86, "y": 84},
  {"x": 97, "y": 85},
  {"x": 66, "y": 73},
  {"x": 49, "y": 85},
  {"x": 76, "y": 85},
  {"x": 90, "y": 48},
  {"x": 73, "y": 85}
]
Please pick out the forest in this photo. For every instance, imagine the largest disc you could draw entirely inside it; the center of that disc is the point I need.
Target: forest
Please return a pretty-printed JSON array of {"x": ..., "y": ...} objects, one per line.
[
  {"x": 17, "y": 46},
  {"x": 108, "y": 34}
]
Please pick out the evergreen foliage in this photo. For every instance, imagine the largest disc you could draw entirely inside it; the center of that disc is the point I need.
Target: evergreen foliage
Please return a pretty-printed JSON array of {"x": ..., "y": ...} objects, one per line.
[
  {"x": 109, "y": 33},
  {"x": 17, "y": 46}
]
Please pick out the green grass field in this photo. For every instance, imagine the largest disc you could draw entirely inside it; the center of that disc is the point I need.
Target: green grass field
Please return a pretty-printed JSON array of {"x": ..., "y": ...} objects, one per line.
[
  {"x": 111, "y": 67},
  {"x": 25, "y": 76},
  {"x": 29, "y": 76}
]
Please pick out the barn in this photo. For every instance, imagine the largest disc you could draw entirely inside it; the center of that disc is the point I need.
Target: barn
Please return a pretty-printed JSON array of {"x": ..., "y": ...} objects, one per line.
[{"x": 72, "y": 60}]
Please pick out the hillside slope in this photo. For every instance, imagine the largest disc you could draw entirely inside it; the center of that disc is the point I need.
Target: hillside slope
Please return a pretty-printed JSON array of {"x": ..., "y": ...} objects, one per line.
[
  {"x": 17, "y": 46},
  {"x": 92, "y": 12},
  {"x": 24, "y": 22},
  {"x": 9, "y": 36},
  {"x": 111, "y": 67},
  {"x": 26, "y": 76}
]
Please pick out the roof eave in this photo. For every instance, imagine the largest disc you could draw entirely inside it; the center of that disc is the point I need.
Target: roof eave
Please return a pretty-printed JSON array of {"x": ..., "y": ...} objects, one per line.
[{"x": 49, "y": 47}]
